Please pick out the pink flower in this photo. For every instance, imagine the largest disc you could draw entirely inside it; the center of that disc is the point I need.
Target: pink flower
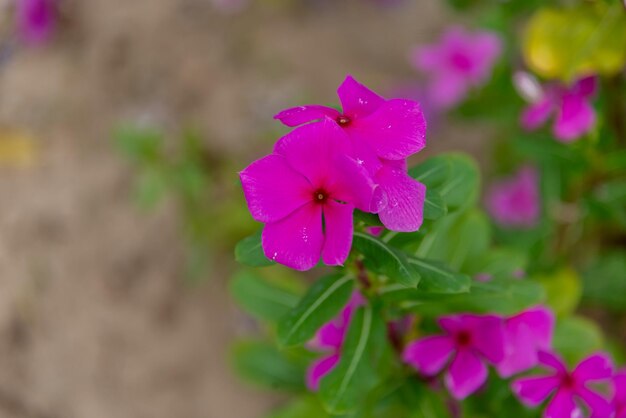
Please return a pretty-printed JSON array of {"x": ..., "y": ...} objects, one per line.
[
  {"x": 329, "y": 338},
  {"x": 525, "y": 335},
  {"x": 568, "y": 387},
  {"x": 460, "y": 61},
  {"x": 514, "y": 202},
  {"x": 36, "y": 20},
  {"x": 469, "y": 340},
  {"x": 383, "y": 134},
  {"x": 575, "y": 115},
  {"x": 305, "y": 193},
  {"x": 619, "y": 399}
]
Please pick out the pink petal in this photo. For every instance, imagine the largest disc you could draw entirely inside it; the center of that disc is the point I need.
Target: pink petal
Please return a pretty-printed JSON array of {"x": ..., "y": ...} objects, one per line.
[
  {"x": 485, "y": 49},
  {"x": 552, "y": 361},
  {"x": 446, "y": 90},
  {"x": 338, "y": 233},
  {"x": 599, "y": 406},
  {"x": 357, "y": 100},
  {"x": 619, "y": 382},
  {"x": 576, "y": 117},
  {"x": 330, "y": 335},
  {"x": 428, "y": 58},
  {"x": 525, "y": 334},
  {"x": 313, "y": 150},
  {"x": 36, "y": 20},
  {"x": 296, "y": 116},
  {"x": 562, "y": 406},
  {"x": 595, "y": 367},
  {"x": 430, "y": 354},
  {"x": 404, "y": 211},
  {"x": 586, "y": 86},
  {"x": 537, "y": 114},
  {"x": 488, "y": 335},
  {"x": 296, "y": 241},
  {"x": 534, "y": 390},
  {"x": 351, "y": 182},
  {"x": 395, "y": 131},
  {"x": 451, "y": 323},
  {"x": 319, "y": 369},
  {"x": 467, "y": 374},
  {"x": 273, "y": 189}
]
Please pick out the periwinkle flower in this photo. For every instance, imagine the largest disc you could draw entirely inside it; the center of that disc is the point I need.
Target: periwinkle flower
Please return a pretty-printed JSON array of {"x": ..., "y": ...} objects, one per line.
[
  {"x": 35, "y": 20},
  {"x": 525, "y": 335},
  {"x": 329, "y": 339},
  {"x": 515, "y": 202},
  {"x": 383, "y": 134},
  {"x": 575, "y": 115},
  {"x": 567, "y": 387},
  {"x": 460, "y": 61},
  {"x": 305, "y": 193},
  {"x": 468, "y": 343}
]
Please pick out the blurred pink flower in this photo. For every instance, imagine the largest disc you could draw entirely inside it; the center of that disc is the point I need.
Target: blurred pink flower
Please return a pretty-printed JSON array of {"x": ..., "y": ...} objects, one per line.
[
  {"x": 306, "y": 192},
  {"x": 568, "y": 387},
  {"x": 469, "y": 340},
  {"x": 36, "y": 20},
  {"x": 383, "y": 134},
  {"x": 619, "y": 398},
  {"x": 525, "y": 334},
  {"x": 515, "y": 202},
  {"x": 460, "y": 61},
  {"x": 329, "y": 339},
  {"x": 575, "y": 115}
]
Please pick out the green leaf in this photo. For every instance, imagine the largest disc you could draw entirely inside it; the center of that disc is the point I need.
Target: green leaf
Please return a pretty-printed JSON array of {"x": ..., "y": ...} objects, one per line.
[
  {"x": 386, "y": 260},
  {"x": 249, "y": 251},
  {"x": 264, "y": 298},
  {"x": 432, "y": 173},
  {"x": 434, "y": 207},
  {"x": 563, "y": 289},
  {"x": 322, "y": 303},
  {"x": 346, "y": 385},
  {"x": 437, "y": 277},
  {"x": 505, "y": 297},
  {"x": 304, "y": 407},
  {"x": 499, "y": 263},
  {"x": 576, "y": 337},
  {"x": 261, "y": 363},
  {"x": 571, "y": 42},
  {"x": 461, "y": 189},
  {"x": 604, "y": 281}
]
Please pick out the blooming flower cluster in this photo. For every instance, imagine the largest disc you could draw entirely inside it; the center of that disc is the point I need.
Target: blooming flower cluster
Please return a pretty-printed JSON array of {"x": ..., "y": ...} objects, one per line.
[
  {"x": 307, "y": 189},
  {"x": 575, "y": 115},
  {"x": 460, "y": 61}
]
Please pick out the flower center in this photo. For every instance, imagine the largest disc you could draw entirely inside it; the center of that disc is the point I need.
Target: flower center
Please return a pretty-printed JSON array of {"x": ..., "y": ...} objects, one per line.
[
  {"x": 461, "y": 61},
  {"x": 568, "y": 382},
  {"x": 320, "y": 196},
  {"x": 343, "y": 120},
  {"x": 463, "y": 339}
]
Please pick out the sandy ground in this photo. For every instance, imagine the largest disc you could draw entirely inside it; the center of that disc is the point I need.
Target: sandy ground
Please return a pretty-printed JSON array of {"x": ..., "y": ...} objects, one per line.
[{"x": 95, "y": 321}]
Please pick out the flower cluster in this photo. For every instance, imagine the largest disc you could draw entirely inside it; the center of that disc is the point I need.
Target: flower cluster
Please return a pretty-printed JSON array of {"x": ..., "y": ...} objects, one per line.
[{"x": 307, "y": 189}]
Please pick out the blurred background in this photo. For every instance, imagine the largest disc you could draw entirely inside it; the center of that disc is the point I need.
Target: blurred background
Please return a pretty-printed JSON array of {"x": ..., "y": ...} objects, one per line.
[{"x": 103, "y": 311}]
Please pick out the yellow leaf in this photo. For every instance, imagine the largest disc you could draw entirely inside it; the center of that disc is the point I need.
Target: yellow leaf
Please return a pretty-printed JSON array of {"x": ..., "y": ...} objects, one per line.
[
  {"x": 563, "y": 290},
  {"x": 569, "y": 43}
]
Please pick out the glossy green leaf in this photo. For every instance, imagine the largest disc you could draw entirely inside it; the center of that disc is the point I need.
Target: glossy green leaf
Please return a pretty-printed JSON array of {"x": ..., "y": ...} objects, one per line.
[
  {"x": 462, "y": 186},
  {"x": 262, "y": 363},
  {"x": 437, "y": 277},
  {"x": 346, "y": 385},
  {"x": 264, "y": 298},
  {"x": 434, "y": 207},
  {"x": 433, "y": 172},
  {"x": 324, "y": 300},
  {"x": 249, "y": 251},
  {"x": 386, "y": 260}
]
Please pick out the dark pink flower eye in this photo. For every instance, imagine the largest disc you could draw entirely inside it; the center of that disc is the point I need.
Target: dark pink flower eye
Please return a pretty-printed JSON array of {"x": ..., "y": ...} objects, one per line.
[{"x": 343, "y": 120}]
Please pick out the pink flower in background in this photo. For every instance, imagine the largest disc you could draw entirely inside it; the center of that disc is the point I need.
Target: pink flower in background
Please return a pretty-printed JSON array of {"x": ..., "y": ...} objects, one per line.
[
  {"x": 460, "y": 61},
  {"x": 469, "y": 340},
  {"x": 329, "y": 339},
  {"x": 515, "y": 202},
  {"x": 575, "y": 115},
  {"x": 383, "y": 133},
  {"x": 568, "y": 388},
  {"x": 525, "y": 335},
  {"x": 305, "y": 193},
  {"x": 619, "y": 398},
  {"x": 36, "y": 20}
]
